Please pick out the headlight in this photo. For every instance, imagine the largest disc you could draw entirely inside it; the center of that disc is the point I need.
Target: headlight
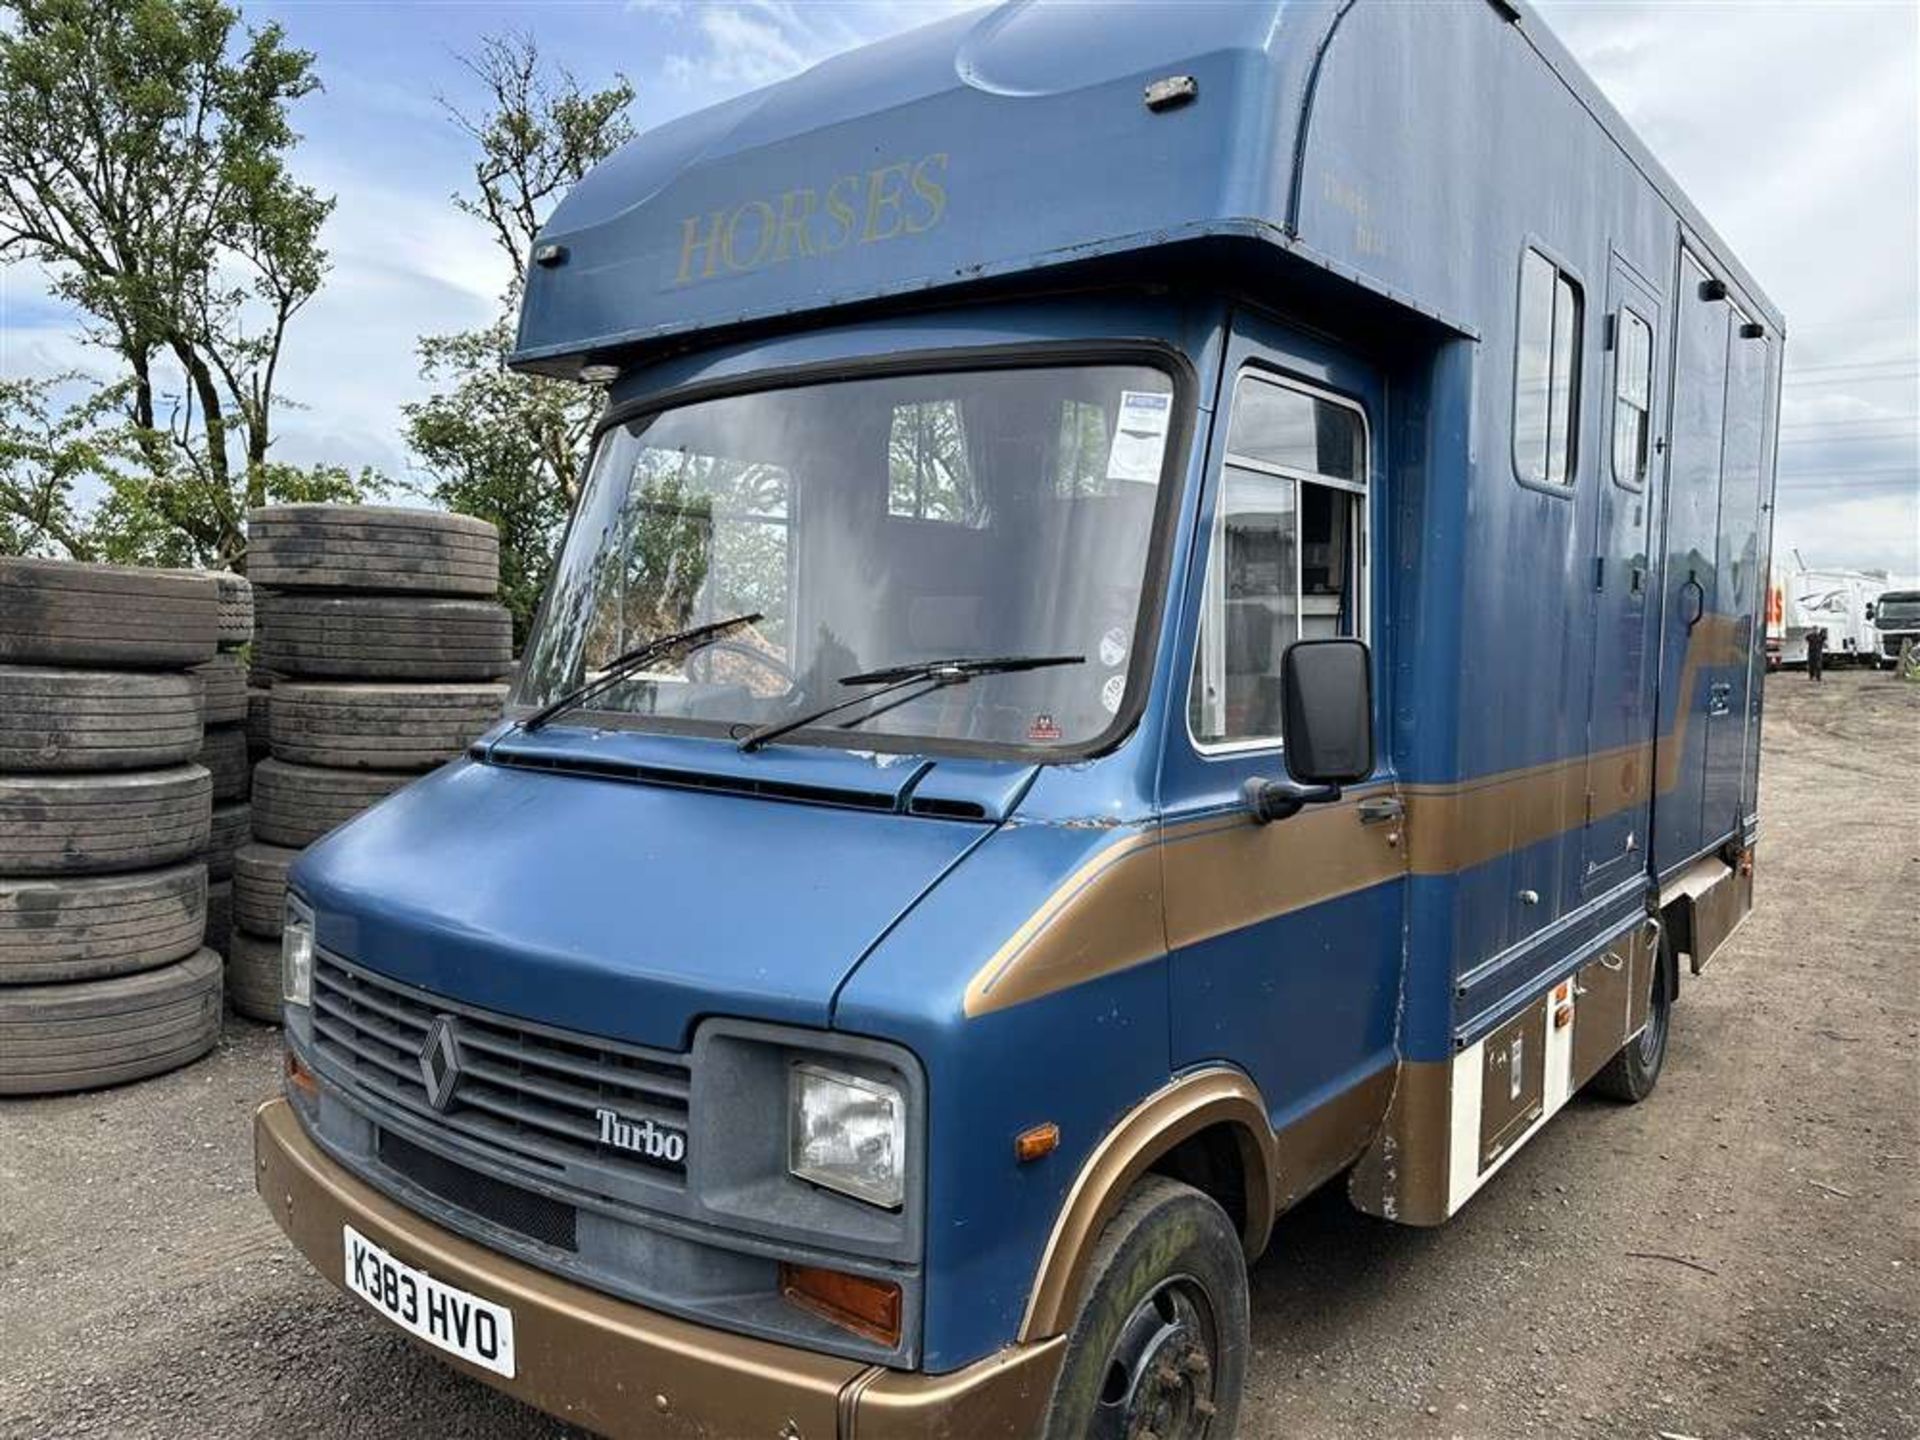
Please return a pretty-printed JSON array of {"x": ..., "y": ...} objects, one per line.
[
  {"x": 296, "y": 954},
  {"x": 847, "y": 1133}
]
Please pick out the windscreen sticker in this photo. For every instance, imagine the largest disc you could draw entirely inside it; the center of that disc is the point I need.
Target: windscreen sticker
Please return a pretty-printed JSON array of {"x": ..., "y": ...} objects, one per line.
[
  {"x": 1113, "y": 647},
  {"x": 1111, "y": 693},
  {"x": 1140, "y": 436},
  {"x": 1044, "y": 729}
]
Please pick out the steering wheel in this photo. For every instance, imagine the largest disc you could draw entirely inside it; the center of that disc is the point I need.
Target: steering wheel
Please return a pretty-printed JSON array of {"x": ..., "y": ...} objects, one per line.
[{"x": 772, "y": 664}]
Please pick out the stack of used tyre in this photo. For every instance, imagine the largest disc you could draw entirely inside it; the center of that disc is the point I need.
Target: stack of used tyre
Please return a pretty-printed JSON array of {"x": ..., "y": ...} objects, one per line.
[
  {"x": 224, "y": 751},
  {"x": 384, "y": 648},
  {"x": 105, "y": 816}
]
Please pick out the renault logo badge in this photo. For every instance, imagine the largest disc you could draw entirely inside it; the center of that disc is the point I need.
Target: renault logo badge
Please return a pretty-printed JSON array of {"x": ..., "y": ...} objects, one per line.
[{"x": 440, "y": 1062}]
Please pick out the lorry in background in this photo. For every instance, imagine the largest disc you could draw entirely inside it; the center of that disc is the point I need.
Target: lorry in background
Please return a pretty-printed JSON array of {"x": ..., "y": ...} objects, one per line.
[
  {"x": 1841, "y": 602},
  {"x": 1896, "y": 622},
  {"x": 1013, "y": 784}
]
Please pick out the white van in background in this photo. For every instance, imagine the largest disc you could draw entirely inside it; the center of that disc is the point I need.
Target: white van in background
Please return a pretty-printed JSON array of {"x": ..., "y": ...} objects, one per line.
[{"x": 1838, "y": 601}]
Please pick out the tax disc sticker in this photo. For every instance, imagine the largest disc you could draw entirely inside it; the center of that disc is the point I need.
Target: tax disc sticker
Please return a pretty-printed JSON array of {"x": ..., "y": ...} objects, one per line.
[
  {"x": 1111, "y": 692},
  {"x": 1113, "y": 647},
  {"x": 1140, "y": 436}
]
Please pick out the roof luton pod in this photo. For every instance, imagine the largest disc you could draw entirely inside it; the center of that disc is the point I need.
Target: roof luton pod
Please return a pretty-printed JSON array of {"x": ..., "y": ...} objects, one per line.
[{"x": 1163, "y": 613}]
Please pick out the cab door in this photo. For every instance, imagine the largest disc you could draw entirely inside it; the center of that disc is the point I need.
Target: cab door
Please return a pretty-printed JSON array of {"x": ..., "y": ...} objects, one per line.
[
  {"x": 1620, "y": 709},
  {"x": 1284, "y": 938}
]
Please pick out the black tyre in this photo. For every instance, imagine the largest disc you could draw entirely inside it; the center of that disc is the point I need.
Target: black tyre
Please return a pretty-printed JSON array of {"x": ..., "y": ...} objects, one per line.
[
  {"x": 384, "y": 637},
  {"x": 294, "y": 805},
  {"x": 224, "y": 682},
  {"x": 232, "y": 827},
  {"x": 259, "y": 721},
  {"x": 78, "y": 1036},
  {"x": 1160, "y": 1344},
  {"x": 219, "y": 938},
  {"x": 380, "y": 727},
  {"x": 260, "y": 887},
  {"x": 56, "y": 612},
  {"x": 253, "y": 976},
  {"x": 372, "y": 547},
  {"x": 223, "y": 752},
  {"x": 236, "y": 609},
  {"x": 1631, "y": 1075},
  {"x": 96, "y": 720},
  {"x": 98, "y": 824},
  {"x": 57, "y": 928}
]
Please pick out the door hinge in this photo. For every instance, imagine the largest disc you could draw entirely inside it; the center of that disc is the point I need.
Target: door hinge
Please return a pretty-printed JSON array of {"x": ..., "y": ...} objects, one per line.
[{"x": 1589, "y": 807}]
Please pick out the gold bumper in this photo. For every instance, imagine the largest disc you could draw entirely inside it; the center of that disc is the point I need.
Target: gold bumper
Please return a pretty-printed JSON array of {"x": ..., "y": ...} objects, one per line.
[{"x": 622, "y": 1370}]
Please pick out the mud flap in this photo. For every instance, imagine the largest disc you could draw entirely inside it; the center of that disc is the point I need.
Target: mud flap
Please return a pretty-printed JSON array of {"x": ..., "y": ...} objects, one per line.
[{"x": 1712, "y": 898}]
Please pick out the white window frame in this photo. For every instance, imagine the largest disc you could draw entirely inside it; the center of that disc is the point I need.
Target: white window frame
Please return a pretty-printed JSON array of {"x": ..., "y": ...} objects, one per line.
[{"x": 1213, "y": 598}]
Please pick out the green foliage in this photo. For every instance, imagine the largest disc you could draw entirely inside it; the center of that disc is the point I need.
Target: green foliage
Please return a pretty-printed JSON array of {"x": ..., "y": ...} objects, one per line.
[
  {"x": 143, "y": 162},
  {"x": 504, "y": 447},
  {"x": 46, "y": 449},
  {"x": 510, "y": 448}
]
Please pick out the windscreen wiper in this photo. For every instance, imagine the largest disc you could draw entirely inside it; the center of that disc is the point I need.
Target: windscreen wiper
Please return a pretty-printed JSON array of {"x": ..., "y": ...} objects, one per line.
[
  {"x": 928, "y": 675},
  {"x": 625, "y": 664}
]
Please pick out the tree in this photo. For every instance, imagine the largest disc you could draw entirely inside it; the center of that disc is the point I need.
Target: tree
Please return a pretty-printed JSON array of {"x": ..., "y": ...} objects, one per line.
[
  {"x": 509, "y": 448},
  {"x": 46, "y": 449},
  {"x": 143, "y": 162}
]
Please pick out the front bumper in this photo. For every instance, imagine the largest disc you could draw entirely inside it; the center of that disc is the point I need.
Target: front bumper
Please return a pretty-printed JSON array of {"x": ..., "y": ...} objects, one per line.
[{"x": 622, "y": 1370}]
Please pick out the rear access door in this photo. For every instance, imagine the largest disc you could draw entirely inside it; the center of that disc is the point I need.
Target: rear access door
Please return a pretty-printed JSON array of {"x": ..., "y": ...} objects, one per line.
[{"x": 1700, "y": 625}]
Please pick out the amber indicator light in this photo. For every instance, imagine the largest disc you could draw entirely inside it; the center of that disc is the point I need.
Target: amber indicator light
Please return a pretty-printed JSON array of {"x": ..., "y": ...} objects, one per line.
[
  {"x": 853, "y": 1302},
  {"x": 1040, "y": 1140}
]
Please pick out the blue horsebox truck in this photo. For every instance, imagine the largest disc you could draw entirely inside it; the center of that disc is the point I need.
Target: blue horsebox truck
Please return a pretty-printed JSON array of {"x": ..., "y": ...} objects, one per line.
[{"x": 1165, "y": 611}]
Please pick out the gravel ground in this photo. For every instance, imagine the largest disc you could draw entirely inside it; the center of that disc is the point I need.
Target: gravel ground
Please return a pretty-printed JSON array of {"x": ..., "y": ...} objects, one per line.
[{"x": 144, "y": 1291}]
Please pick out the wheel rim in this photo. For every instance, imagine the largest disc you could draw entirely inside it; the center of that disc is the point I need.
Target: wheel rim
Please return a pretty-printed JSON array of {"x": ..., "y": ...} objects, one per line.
[
  {"x": 1653, "y": 1037},
  {"x": 1159, "y": 1378}
]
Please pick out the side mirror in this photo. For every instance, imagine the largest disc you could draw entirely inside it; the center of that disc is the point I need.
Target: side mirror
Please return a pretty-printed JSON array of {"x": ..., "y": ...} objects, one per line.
[
  {"x": 1326, "y": 689},
  {"x": 1869, "y": 610}
]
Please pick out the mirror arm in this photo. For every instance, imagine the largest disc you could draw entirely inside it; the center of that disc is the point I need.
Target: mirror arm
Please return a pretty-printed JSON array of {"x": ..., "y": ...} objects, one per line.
[{"x": 1270, "y": 800}]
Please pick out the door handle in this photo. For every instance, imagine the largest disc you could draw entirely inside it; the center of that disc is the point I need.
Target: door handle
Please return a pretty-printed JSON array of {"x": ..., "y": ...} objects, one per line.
[
  {"x": 1699, "y": 600},
  {"x": 1380, "y": 809}
]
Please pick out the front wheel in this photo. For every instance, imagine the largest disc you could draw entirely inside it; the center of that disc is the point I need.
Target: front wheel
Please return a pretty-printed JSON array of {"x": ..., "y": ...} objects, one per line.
[
  {"x": 1159, "y": 1348},
  {"x": 1631, "y": 1075}
]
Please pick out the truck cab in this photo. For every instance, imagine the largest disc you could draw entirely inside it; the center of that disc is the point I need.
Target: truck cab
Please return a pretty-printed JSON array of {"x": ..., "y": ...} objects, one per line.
[
  {"x": 1896, "y": 624},
  {"x": 1006, "y": 792}
]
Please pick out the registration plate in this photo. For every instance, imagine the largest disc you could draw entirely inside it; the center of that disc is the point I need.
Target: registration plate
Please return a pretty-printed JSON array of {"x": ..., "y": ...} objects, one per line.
[{"x": 476, "y": 1330}]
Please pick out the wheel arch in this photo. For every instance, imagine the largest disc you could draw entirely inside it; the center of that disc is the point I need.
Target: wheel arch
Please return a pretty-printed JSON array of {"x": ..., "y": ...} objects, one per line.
[{"x": 1200, "y": 1112}]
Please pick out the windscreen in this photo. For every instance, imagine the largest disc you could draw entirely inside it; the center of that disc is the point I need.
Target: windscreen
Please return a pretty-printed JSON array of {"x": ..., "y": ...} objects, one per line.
[
  {"x": 872, "y": 523},
  {"x": 1897, "y": 611}
]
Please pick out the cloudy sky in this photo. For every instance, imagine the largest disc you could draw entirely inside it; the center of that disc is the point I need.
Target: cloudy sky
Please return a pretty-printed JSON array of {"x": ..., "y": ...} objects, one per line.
[{"x": 1793, "y": 125}]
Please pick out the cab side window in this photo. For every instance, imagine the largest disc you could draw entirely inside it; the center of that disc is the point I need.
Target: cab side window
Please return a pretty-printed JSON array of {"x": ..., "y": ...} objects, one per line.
[{"x": 1288, "y": 555}]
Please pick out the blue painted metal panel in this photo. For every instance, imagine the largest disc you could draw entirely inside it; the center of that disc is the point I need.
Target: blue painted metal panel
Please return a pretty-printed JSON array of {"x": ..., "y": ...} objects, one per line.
[
  {"x": 1009, "y": 141},
  {"x": 980, "y": 146},
  {"x": 620, "y": 909},
  {"x": 1079, "y": 1058}
]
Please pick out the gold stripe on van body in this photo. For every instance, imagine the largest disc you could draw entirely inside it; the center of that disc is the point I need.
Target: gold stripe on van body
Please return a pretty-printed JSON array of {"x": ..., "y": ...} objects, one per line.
[{"x": 1161, "y": 889}]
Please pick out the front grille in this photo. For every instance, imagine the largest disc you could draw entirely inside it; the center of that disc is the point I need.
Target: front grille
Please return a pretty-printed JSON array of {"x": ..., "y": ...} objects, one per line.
[
  {"x": 535, "y": 1216},
  {"x": 522, "y": 1092}
]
